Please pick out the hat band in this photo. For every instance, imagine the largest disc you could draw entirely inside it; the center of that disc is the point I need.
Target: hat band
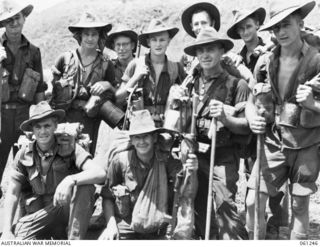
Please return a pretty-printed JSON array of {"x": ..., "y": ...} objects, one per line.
[
  {"x": 283, "y": 10},
  {"x": 40, "y": 114}
]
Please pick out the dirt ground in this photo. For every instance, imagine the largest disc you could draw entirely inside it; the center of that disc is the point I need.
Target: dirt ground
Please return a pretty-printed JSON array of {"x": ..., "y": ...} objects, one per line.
[{"x": 314, "y": 233}]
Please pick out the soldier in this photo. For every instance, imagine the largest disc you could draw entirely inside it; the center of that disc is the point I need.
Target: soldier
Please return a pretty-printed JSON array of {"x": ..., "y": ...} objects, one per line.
[
  {"x": 245, "y": 26},
  {"x": 218, "y": 91},
  {"x": 22, "y": 79},
  {"x": 83, "y": 79},
  {"x": 154, "y": 72},
  {"x": 124, "y": 42},
  {"x": 291, "y": 144},
  {"x": 54, "y": 185},
  {"x": 139, "y": 170}
]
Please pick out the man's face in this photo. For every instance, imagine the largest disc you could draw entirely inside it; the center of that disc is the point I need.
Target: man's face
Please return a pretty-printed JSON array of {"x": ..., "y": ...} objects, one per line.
[
  {"x": 159, "y": 43},
  {"x": 209, "y": 55},
  {"x": 247, "y": 29},
  {"x": 265, "y": 107},
  {"x": 89, "y": 38},
  {"x": 123, "y": 46},
  {"x": 15, "y": 24},
  {"x": 200, "y": 20},
  {"x": 288, "y": 31},
  {"x": 44, "y": 130},
  {"x": 144, "y": 143}
]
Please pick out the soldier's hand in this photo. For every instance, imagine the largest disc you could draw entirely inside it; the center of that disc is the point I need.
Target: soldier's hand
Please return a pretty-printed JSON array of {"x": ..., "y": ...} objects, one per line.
[
  {"x": 258, "y": 125},
  {"x": 63, "y": 192},
  {"x": 111, "y": 232},
  {"x": 192, "y": 163},
  {"x": 140, "y": 71},
  {"x": 3, "y": 53},
  {"x": 232, "y": 59},
  {"x": 217, "y": 110},
  {"x": 97, "y": 89},
  {"x": 304, "y": 96}
]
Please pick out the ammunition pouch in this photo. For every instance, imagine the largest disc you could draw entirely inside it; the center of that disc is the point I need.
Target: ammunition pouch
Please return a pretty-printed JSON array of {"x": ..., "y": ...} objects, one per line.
[
  {"x": 309, "y": 119},
  {"x": 111, "y": 114},
  {"x": 63, "y": 93}
]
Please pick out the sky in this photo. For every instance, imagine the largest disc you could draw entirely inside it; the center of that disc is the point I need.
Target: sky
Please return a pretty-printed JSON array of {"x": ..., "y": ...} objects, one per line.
[{"x": 40, "y": 4}]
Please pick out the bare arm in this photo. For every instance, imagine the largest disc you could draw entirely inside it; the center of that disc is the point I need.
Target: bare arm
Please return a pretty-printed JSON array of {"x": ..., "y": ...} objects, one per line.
[
  {"x": 91, "y": 174},
  {"x": 10, "y": 207}
]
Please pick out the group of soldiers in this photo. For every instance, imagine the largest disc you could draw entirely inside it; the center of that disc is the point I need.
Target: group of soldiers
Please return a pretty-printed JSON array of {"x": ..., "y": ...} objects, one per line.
[{"x": 177, "y": 129}]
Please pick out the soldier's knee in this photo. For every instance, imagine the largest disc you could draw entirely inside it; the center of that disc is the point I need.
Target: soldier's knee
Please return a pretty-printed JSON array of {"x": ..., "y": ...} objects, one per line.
[{"x": 300, "y": 205}]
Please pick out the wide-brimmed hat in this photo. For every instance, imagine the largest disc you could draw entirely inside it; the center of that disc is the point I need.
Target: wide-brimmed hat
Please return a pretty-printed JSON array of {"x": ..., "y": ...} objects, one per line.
[
  {"x": 208, "y": 36},
  {"x": 156, "y": 26},
  {"x": 279, "y": 10},
  {"x": 186, "y": 17},
  {"x": 39, "y": 112},
  {"x": 9, "y": 8},
  {"x": 122, "y": 31},
  {"x": 240, "y": 15},
  {"x": 141, "y": 122},
  {"x": 89, "y": 20}
]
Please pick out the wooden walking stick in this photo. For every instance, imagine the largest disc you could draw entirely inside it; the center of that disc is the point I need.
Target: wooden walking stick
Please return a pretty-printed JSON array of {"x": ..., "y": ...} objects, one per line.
[
  {"x": 213, "y": 131},
  {"x": 257, "y": 186}
]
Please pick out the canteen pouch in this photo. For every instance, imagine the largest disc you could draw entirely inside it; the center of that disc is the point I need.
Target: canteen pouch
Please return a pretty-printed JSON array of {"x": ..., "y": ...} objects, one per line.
[
  {"x": 288, "y": 114},
  {"x": 28, "y": 88}
]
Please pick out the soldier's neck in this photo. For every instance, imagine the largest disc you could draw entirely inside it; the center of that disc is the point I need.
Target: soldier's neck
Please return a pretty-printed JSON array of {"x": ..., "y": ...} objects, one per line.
[
  {"x": 158, "y": 59},
  {"x": 14, "y": 39},
  {"x": 293, "y": 50},
  {"x": 146, "y": 158},
  {"x": 213, "y": 72},
  {"x": 252, "y": 44},
  {"x": 87, "y": 52},
  {"x": 125, "y": 62},
  {"x": 44, "y": 147}
]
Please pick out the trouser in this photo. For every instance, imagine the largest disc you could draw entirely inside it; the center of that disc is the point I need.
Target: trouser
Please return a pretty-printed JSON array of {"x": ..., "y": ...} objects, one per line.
[
  {"x": 52, "y": 221},
  {"x": 225, "y": 221},
  {"x": 91, "y": 125},
  {"x": 126, "y": 233},
  {"x": 278, "y": 204},
  {"x": 10, "y": 131}
]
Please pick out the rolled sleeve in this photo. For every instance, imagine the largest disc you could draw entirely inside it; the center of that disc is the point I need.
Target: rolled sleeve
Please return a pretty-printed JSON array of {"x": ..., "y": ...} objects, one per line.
[
  {"x": 241, "y": 95},
  {"x": 81, "y": 156},
  {"x": 17, "y": 171}
]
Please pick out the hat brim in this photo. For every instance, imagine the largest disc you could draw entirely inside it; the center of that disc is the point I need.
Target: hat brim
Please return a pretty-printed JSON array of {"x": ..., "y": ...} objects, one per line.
[
  {"x": 186, "y": 17},
  {"x": 143, "y": 38},
  {"x": 260, "y": 13},
  {"x": 127, "y": 33},
  {"x": 305, "y": 9},
  {"x": 26, "y": 11},
  {"x": 192, "y": 49},
  {"x": 98, "y": 25},
  {"x": 27, "y": 125}
]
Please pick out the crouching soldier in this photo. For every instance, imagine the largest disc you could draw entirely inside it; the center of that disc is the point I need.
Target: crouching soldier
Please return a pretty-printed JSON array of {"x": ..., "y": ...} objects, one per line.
[
  {"x": 221, "y": 95},
  {"x": 138, "y": 192},
  {"x": 56, "y": 189}
]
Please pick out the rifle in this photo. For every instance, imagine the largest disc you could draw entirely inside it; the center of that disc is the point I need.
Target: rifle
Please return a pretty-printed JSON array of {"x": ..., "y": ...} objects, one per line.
[
  {"x": 213, "y": 131},
  {"x": 182, "y": 176}
]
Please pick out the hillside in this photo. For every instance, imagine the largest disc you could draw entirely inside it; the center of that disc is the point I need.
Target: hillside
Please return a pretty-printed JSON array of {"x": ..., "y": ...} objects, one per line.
[{"x": 48, "y": 29}]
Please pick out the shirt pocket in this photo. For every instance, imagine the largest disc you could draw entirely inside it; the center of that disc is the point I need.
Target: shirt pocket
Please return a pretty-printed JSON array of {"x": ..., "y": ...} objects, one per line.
[{"x": 36, "y": 182}]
